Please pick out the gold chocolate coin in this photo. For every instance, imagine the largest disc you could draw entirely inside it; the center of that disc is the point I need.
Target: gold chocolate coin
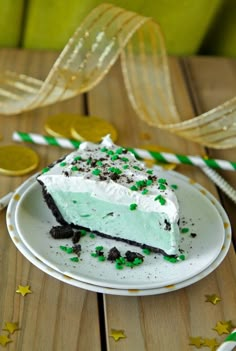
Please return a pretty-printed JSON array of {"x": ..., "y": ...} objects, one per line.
[
  {"x": 60, "y": 125},
  {"x": 92, "y": 128},
  {"x": 158, "y": 148},
  {"x": 17, "y": 160}
]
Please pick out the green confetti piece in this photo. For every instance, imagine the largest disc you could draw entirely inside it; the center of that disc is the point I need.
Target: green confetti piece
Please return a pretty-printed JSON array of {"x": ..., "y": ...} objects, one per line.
[
  {"x": 146, "y": 251},
  {"x": 133, "y": 207},
  {"x": 92, "y": 236},
  {"x": 74, "y": 168},
  {"x": 125, "y": 167},
  {"x": 184, "y": 230},
  {"x": 99, "y": 248},
  {"x": 45, "y": 170},
  {"x": 136, "y": 167},
  {"x": 77, "y": 158},
  {"x": 150, "y": 171},
  {"x": 145, "y": 191},
  {"x": 94, "y": 254},
  {"x": 119, "y": 266},
  {"x": 170, "y": 259},
  {"x": 63, "y": 164},
  {"x": 134, "y": 188},
  {"x": 124, "y": 159},
  {"x": 114, "y": 157},
  {"x": 63, "y": 248},
  {"x": 74, "y": 259},
  {"x": 181, "y": 258},
  {"x": 110, "y": 152},
  {"x": 161, "y": 199},
  {"x": 96, "y": 172},
  {"x": 101, "y": 258},
  {"x": 69, "y": 250},
  {"x": 174, "y": 186},
  {"x": 162, "y": 181},
  {"x": 89, "y": 161},
  {"x": 119, "y": 150},
  {"x": 104, "y": 149},
  {"x": 114, "y": 170},
  {"x": 162, "y": 187},
  {"x": 99, "y": 163},
  {"x": 83, "y": 232}
]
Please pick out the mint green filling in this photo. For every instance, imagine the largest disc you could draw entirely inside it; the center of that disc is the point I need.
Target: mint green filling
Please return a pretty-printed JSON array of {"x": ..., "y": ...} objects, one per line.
[{"x": 116, "y": 220}]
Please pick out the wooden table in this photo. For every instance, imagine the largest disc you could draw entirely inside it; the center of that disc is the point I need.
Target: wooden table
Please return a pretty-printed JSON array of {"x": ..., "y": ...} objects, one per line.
[{"x": 57, "y": 316}]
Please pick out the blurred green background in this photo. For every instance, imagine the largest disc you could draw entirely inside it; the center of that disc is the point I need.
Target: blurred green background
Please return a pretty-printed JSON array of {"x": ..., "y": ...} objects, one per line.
[{"x": 190, "y": 26}]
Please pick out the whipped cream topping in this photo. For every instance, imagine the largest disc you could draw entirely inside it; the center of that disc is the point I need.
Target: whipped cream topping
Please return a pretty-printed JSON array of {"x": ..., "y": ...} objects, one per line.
[{"x": 113, "y": 174}]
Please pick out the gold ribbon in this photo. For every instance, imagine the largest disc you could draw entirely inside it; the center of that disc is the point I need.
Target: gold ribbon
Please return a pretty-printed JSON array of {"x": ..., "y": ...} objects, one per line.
[{"x": 106, "y": 33}]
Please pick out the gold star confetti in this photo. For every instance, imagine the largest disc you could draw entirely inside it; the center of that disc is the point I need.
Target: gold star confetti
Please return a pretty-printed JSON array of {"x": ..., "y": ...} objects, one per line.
[
  {"x": 23, "y": 290},
  {"x": 117, "y": 334},
  {"x": 223, "y": 327},
  {"x": 214, "y": 299},
  {"x": 11, "y": 327},
  {"x": 211, "y": 343},
  {"x": 4, "y": 339},
  {"x": 197, "y": 341}
]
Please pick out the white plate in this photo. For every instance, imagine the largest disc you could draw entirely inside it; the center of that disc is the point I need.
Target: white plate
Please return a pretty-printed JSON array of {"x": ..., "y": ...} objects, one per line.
[
  {"x": 11, "y": 223},
  {"x": 33, "y": 221}
]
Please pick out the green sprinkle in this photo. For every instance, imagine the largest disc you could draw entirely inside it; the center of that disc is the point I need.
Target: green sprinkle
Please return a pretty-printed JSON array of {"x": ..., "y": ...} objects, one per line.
[
  {"x": 77, "y": 158},
  {"x": 146, "y": 251},
  {"x": 110, "y": 152},
  {"x": 137, "y": 261},
  {"x": 69, "y": 250},
  {"x": 94, "y": 254},
  {"x": 133, "y": 207},
  {"x": 104, "y": 149},
  {"x": 92, "y": 236},
  {"x": 141, "y": 183},
  {"x": 120, "y": 260},
  {"x": 119, "y": 151},
  {"x": 134, "y": 188},
  {"x": 174, "y": 186},
  {"x": 89, "y": 161},
  {"x": 74, "y": 259},
  {"x": 83, "y": 232},
  {"x": 96, "y": 171},
  {"x": 181, "y": 257},
  {"x": 149, "y": 182},
  {"x": 74, "y": 168},
  {"x": 136, "y": 167},
  {"x": 99, "y": 163},
  {"x": 170, "y": 259},
  {"x": 129, "y": 264},
  {"x": 119, "y": 266},
  {"x": 162, "y": 181},
  {"x": 114, "y": 157},
  {"x": 162, "y": 187},
  {"x": 63, "y": 164},
  {"x": 145, "y": 191},
  {"x": 99, "y": 248},
  {"x": 161, "y": 199},
  {"x": 63, "y": 248},
  {"x": 101, "y": 258},
  {"x": 115, "y": 170},
  {"x": 46, "y": 169},
  {"x": 184, "y": 230},
  {"x": 149, "y": 171},
  {"x": 125, "y": 166},
  {"x": 124, "y": 159}
]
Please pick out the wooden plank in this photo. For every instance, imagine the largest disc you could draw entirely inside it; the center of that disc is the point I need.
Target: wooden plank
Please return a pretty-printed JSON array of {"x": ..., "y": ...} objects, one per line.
[
  {"x": 162, "y": 322},
  {"x": 213, "y": 82},
  {"x": 56, "y": 316}
]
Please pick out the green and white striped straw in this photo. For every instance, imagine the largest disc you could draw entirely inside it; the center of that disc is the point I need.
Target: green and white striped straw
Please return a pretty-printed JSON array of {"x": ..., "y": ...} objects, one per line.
[
  {"x": 229, "y": 343},
  {"x": 162, "y": 157}
]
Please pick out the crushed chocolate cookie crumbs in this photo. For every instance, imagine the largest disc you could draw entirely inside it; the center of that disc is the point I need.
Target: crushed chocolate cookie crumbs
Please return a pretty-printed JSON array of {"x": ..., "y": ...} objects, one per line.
[
  {"x": 113, "y": 254},
  {"x": 61, "y": 232},
  {"x": 130, "y": 256}
]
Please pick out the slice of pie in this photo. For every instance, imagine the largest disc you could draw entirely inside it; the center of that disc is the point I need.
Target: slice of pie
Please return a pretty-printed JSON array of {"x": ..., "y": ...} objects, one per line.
[{"x": 103, "y": 188}]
